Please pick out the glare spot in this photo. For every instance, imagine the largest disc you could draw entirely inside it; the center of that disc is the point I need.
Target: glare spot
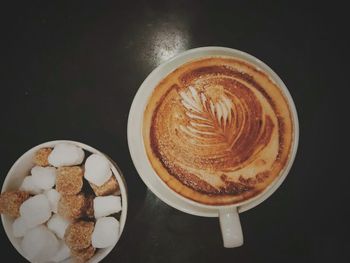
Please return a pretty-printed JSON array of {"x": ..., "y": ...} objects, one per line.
[{"x": 168, "y": 42}]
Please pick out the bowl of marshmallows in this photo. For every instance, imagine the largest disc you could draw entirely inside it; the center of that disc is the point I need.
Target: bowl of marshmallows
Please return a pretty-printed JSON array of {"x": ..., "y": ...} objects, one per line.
[{"x": 63, "y": 201}]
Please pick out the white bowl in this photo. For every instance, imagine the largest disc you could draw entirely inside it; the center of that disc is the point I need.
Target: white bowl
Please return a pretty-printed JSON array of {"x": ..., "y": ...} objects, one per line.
[{"x": 22, "y": 167}]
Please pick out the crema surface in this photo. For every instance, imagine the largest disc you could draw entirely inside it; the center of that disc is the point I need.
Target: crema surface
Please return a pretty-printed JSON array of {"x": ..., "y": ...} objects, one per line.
[{"x": 218, "y": 130}]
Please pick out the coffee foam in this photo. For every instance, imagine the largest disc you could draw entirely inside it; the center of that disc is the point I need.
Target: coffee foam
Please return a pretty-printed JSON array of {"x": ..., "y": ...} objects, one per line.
[{"x": 217, "y": 130}]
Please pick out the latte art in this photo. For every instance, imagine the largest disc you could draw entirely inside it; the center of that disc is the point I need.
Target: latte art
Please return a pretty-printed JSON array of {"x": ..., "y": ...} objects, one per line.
[
  {"x": 217, "y": 131},
  {"x": 207, "y": 117}
]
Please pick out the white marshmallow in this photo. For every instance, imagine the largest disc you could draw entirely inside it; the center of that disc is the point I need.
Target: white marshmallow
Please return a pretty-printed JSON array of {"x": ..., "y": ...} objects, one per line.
[
  {"x": 35, "y": 210},
  {"x": 58, "y": 225},
  {"x": 97, "y": 169},
  {"x": 44, "y": 177},
  {"x": 106, "y": 205},
  {"x": 66, "y": 154},
  {"x": 29, "y": 186},
  {"x": 53, "y": 196},
  {"x": 19, "y": 227},
  {"x": 62, "y": 253},
  {"x": 106, "y": 232},
  {"x": 39, "y": 244}
]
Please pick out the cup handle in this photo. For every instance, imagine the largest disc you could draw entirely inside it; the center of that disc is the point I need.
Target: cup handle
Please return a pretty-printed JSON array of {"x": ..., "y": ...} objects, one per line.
[{"x": 230, "y": 227}]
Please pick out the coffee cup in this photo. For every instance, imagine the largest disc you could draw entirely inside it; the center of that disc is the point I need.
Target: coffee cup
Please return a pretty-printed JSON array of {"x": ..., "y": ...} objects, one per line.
[{"x": 228, "y": 213}]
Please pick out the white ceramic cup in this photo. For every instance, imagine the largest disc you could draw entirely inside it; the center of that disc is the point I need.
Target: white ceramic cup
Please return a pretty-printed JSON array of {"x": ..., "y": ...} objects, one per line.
[
  {"x": 22, "y": 167},
  {"x": 228, "y": 214}
]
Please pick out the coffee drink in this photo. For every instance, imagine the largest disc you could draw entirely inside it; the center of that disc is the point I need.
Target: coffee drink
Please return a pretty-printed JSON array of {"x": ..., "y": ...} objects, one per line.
[{"x": 218, "y": 130}]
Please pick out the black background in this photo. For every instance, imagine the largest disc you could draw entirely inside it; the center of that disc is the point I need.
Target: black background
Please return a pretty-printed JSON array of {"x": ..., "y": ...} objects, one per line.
[{"x": 70, "y": 71}]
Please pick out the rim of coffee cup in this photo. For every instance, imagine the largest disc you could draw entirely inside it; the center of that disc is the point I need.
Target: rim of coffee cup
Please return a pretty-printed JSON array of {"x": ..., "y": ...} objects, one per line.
[
  {"x": 140, "y": 101},
  {"x": 115, "y": 169}
]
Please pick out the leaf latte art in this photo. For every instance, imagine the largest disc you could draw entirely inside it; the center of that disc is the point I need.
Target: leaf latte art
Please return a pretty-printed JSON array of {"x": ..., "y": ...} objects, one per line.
[{"x": 218, "y": 130}]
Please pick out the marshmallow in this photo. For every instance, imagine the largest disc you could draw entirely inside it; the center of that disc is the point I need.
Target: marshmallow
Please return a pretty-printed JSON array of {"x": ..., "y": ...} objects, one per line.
[
  {"x": 106, "y": 232},
  {"x": 19, "y": 227},
  {"x": 39, "y": 244},
  {"x": 53, "y": 196},
  {"x": 44, "y": 177},
  {"x": 35, "y": 210},
  {"x": 29, "y": 186},
  {"x": 97, "y": 169},
  {"x": 66, "y": 154},
  {"x": 62, "y": 253},
  {"x": 58, "y": 225},
  {"x": 106, "y": 205}
]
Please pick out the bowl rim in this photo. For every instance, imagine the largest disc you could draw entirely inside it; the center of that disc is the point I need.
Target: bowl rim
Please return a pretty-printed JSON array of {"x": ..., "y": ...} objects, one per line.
[{"x": 116, "y": 171}]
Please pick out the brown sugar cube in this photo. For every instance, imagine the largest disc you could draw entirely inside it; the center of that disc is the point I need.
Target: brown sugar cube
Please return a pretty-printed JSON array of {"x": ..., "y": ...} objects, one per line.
[
  {"x": 11, "y": 201},
  {"x": 89, "y": 206},
  {"x": 83, "y": 255},
  {"x": 109, "y": 187},
  {"x": 41, "y": 156},
  {"x": 78, "y": 235},
  {"x": 69, "y": 180},
  {"x": 71, "y": 206}
]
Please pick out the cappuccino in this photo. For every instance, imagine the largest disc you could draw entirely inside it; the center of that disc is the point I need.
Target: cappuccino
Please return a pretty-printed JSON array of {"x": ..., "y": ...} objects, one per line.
[{"x": 218, "y": 130}]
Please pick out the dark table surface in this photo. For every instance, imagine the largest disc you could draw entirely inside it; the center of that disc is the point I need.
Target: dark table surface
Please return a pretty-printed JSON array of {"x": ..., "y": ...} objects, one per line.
[{"x": 70, "y": 71}]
